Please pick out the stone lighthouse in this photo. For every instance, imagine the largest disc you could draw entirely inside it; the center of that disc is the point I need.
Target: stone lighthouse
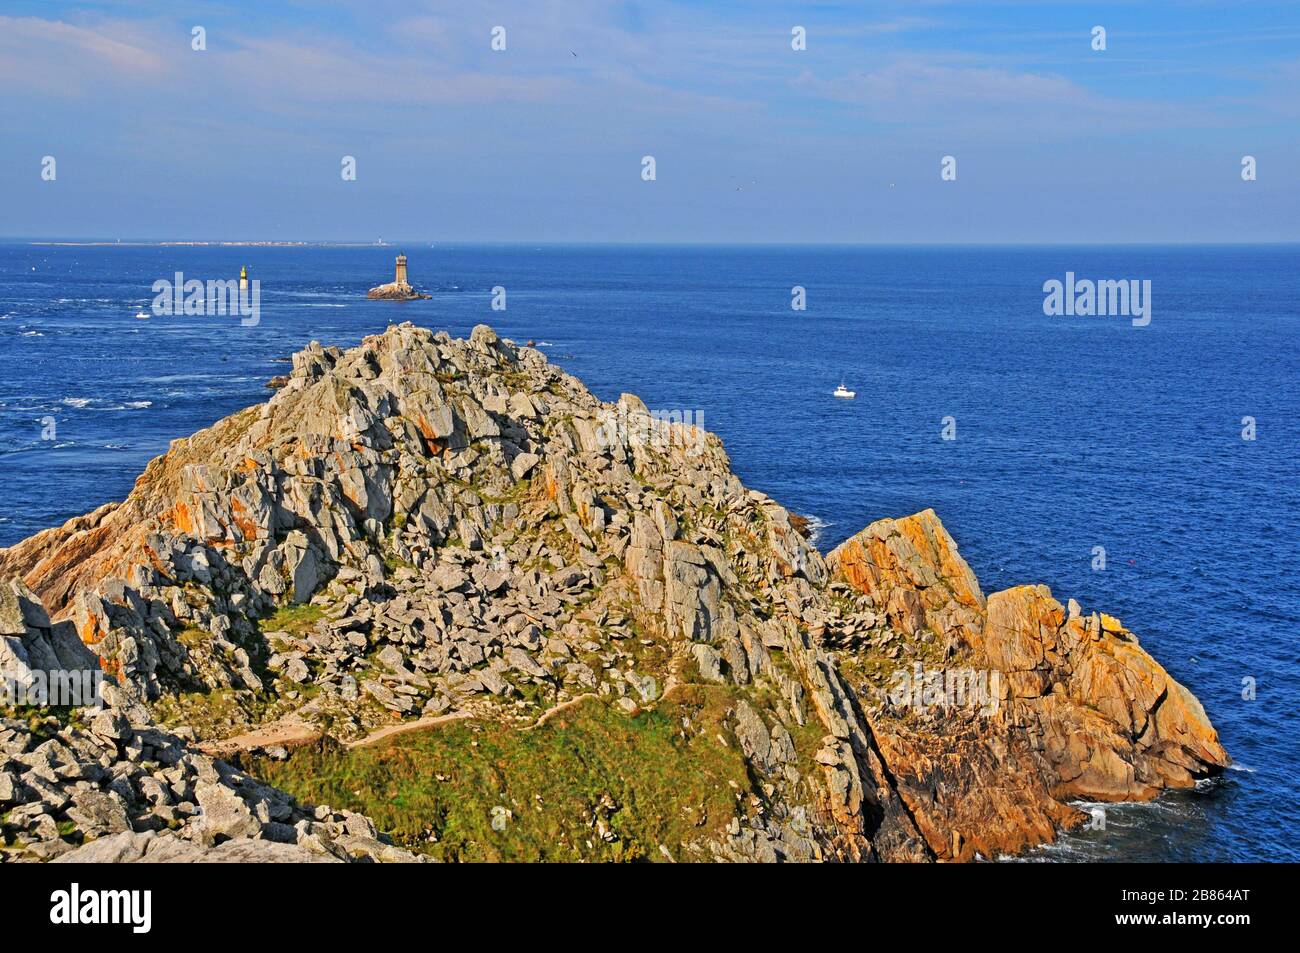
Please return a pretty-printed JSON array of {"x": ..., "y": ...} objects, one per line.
[{"x": 399, "y": 289}]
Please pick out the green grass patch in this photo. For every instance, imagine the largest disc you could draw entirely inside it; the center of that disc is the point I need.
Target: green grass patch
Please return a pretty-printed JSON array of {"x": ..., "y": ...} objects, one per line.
[
  {"x": 392, "y": 563},
  {"x": 192, "y": 636},
  {"x": 642, "y": 781},
  {"x": 294, "y": 619},
  {"x": 212, "y": 714},
  {"x": 45, "y": 721}
]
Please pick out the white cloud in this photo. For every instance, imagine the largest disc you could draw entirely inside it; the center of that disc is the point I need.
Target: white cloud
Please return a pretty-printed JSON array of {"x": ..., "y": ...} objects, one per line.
[
  {"x": 55, "y": 56},
  {"x": 916, "y": 90}
]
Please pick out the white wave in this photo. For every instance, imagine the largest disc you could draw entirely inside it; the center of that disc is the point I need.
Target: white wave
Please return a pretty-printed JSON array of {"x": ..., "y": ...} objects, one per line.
[
  {"x": 31, "y": 334},
  {"x": 816, "y": 527},
  {"x": 76, "y": 401},
  {"x": 38, "y": 445},
  {"x": 138, "y": 404},
  {"x": 1044, "y": 854},
  {"x": 1128, "y": 807}
]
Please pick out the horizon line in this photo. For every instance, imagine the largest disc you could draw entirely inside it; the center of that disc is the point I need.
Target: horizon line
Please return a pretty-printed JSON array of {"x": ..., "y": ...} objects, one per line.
[{"x": 82, "y": 242}]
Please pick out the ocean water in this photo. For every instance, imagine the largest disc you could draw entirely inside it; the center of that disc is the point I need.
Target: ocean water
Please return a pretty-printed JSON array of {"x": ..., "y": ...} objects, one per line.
[{"x": 1071, "y": 432}]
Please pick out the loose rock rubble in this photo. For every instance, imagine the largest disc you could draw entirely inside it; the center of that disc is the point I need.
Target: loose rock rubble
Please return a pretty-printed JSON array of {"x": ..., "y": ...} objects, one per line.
[{"x": 101, "y": 789}]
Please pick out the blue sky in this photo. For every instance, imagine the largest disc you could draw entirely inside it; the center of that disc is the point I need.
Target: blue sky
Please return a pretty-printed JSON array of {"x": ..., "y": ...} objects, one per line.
[{"x": 753, "y": 141}]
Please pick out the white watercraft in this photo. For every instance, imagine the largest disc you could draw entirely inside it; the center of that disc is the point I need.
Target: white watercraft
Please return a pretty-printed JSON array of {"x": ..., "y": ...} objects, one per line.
[
  {"x": 142, "y": 315},
  {"x": 844, "y": 392}
]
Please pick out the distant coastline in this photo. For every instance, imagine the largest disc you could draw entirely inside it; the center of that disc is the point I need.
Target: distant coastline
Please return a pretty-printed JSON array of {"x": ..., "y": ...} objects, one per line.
[{"x": 105, "y": 244}]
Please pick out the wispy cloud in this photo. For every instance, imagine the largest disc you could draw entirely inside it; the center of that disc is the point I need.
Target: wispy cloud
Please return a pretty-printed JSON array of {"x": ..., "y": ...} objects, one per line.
[
  {"x": 56, "y": 56},
  {"x": 918, "y": 90}
]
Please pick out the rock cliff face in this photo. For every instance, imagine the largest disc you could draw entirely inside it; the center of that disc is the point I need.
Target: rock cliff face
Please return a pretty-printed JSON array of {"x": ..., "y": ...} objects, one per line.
[
  {"x": 423, "y": 527},
  {"x": 1082, "y": 712}
]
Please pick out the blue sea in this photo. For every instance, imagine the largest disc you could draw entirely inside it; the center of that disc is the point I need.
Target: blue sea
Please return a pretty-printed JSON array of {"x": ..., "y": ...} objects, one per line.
[{"x": 1071, "y": 432}]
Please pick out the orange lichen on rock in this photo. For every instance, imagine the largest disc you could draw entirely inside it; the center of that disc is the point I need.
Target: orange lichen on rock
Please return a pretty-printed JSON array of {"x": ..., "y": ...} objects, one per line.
[
  {"x": 911, "y": 568},
  {"x": 246, "y": 525},
  {"x": 179, "y": 516},
  {"x": 432, "y": 443},
  {"x": 1118, "y": 727},
  {"x": 90, "y": 632},
  {"x": 1084, "y": 711}
]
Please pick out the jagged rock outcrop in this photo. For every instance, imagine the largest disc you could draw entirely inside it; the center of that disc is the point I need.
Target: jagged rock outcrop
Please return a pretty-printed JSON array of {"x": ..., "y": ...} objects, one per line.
[
  {"x": 1077, "y": 710},
  {"x": 396, "y": 291},
  {"x": 423, "y": 527},
  {"x": 1114, "y": 725},
  {"x": 30, "y": 643},
  {"x": 911, "y": 570}
]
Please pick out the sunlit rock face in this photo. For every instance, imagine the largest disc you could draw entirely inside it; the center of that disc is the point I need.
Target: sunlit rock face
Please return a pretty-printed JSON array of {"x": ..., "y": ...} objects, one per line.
[{"x": 1078, "y": 710}]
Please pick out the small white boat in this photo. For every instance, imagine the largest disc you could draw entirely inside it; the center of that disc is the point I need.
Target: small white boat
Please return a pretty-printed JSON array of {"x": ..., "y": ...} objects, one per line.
[
  {"x": 142, "y": 315},
  {"x": 844, "y": 392}
]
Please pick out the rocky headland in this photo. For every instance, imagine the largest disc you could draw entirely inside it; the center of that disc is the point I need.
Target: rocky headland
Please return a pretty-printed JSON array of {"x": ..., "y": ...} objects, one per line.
[{"x": 456, "y": 538}]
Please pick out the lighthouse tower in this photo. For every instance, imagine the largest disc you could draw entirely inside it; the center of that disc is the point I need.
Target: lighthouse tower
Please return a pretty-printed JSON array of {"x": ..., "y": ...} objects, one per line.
[
  {"x": 243, "y": 278},
  {"x": 401, "y": 270}
]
